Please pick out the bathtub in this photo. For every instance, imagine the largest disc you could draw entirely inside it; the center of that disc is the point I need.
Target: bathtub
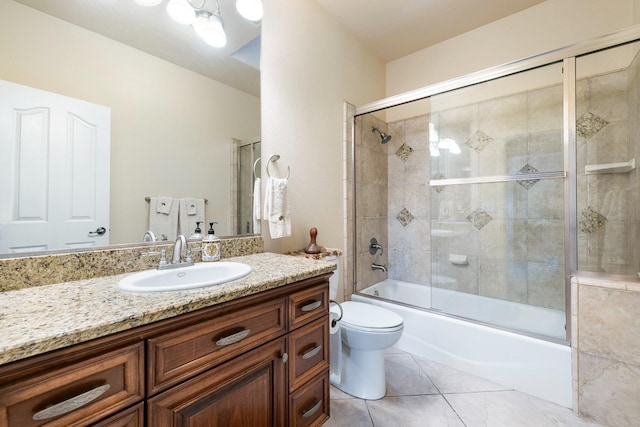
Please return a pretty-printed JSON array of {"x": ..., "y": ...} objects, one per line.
[{"x": 534, "y": 366}]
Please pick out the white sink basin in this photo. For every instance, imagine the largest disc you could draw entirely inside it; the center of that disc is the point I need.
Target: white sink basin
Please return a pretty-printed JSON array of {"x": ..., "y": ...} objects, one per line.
[{"x": 195, "y": 276}]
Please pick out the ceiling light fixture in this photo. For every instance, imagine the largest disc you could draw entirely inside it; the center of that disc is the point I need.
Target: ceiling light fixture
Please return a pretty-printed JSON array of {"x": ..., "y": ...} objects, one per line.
[
  {"x": 250, "y": 9},
  {"x": 208, "y": 25},
  {"x": 182, "y": 11}
]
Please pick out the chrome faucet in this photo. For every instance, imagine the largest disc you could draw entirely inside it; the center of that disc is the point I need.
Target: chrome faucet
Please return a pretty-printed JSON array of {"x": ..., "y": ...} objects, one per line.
[
  {"x": 375, "y": 266},
  {"x": 149, "y": 236},
  {"x": 178, "y": 260}
]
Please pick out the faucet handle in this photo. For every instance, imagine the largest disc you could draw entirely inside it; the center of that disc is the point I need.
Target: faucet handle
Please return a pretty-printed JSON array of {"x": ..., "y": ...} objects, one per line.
[
  {"x": 188, "y": 256},
  {"x": 163, "y": 258},
  {"x": 374, "y": 247}
]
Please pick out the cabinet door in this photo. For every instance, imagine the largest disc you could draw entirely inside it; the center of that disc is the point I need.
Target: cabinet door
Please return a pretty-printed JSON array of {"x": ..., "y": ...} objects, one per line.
[{"x": 249, "y": 390}]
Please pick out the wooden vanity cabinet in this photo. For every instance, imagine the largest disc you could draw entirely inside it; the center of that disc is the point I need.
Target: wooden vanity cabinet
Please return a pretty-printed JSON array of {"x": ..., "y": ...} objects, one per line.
[{"x": 260, "y": 360}]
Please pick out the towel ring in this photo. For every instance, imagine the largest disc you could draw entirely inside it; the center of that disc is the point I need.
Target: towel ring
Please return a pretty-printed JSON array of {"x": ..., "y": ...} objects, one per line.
[
  {"x": 255, "y": 175},
  {"x": 275, "y": 158}
]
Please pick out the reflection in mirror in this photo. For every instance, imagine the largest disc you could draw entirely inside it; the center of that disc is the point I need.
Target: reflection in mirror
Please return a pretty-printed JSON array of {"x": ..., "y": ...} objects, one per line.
[{"x": 172, "y": 122}]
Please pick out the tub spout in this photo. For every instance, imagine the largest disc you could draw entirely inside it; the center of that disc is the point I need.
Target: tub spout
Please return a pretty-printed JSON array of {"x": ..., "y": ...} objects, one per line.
[{"x": 378, "y": 267}]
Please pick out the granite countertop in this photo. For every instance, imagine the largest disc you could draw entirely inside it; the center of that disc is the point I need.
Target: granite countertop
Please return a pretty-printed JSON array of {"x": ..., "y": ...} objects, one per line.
[{"x": 44, "y": 318}]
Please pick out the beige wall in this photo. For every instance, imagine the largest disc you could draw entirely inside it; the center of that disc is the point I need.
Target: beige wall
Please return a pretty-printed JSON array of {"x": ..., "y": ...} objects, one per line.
[
  {"x": 171, "y": 128},
  {"x": 310, "y": 65},
  {"x": 547, "y": 26}
]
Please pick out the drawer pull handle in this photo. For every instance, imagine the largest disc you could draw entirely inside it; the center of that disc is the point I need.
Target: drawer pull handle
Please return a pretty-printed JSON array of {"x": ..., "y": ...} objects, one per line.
[
  {"x": 312, "y": 306},
  {"x": 309, "y": 354},
  {"x": 71, "y": 404},
  {"x": 233, "y": 338},
  {"x": 309, "y": 412}
]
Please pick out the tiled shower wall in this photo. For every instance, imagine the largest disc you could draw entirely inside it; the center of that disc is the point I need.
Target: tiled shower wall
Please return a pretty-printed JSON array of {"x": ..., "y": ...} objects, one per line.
[
  {"x": 608, "y": 227},
  {"x": 408, "y": 208},
  {"x": 371, "y": 188},
  {"x": 509, "y": 234}
]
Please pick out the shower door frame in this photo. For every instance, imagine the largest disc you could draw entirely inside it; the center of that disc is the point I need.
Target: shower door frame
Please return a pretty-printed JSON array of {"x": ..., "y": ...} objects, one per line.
[{"x": 567, "y": 56}]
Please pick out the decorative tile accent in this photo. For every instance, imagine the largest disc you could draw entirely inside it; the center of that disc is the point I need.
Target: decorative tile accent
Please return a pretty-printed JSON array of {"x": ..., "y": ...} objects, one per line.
[
  {"x": 479, "y": 140},
  {"x": 589, "y": 124},
  {"x": 528, "y": 183},
  {"x": 404, "y": 152},
  {"x": 404, "y": 217},
  {"x": 438, "y": 188},
  {"x": 590, "y": 220},
  {"x": 479, "y": 218}
]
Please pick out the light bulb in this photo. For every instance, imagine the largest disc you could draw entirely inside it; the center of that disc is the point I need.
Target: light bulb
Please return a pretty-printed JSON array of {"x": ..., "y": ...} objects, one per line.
[
  {"x": 250, "y": 9},
  {"x": 181, "y": 11},
  {"x": 213, "y": 34},
  {"x": 201, "y": 22},
  {"x": 148, "y": 3}
]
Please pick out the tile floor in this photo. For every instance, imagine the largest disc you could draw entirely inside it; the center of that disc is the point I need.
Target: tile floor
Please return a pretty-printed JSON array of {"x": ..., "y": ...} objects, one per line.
[{"x": 424, "y": 393}]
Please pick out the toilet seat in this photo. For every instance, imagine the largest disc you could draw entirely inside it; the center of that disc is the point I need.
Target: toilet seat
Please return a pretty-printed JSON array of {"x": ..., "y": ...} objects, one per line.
[{"x": 367, "y": 317}]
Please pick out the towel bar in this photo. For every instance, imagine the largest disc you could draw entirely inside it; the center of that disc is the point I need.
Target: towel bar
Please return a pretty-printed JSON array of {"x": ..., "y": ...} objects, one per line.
[
  {"x": 148, "y": 199},
  {"x": 274, "y": 158}
]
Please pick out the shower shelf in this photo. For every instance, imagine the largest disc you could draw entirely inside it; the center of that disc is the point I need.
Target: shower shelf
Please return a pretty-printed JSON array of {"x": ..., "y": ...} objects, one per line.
[{"x": 621, "y": 167}]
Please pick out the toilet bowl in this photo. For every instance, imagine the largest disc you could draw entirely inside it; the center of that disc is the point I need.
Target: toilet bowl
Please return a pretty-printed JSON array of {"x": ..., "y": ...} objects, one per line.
[
  {"x": 366, "y": 331},
  {"x": 357, "y": 348}
]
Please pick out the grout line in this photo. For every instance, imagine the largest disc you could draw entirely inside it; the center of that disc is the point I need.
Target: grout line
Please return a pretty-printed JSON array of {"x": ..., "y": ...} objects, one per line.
[{"x": 454, "y": 410}]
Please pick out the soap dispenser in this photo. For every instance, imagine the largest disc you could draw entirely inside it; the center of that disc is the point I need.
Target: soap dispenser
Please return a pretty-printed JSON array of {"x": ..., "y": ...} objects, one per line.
[
  {"x": 211, "y": 245},
  {"x": 197, "y": 234}
]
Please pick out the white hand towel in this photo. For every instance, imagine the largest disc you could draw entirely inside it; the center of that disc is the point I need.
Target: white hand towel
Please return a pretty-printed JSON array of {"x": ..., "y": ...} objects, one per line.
[
  {"x": 187, "y": 221},
  {"x": 163, "y": 225},
  {"x": 257, "y": 205},
  {"x": 276, "y": 208},
  {"x": 164, "y": 205},
  {"x": 192, "y": 206}
]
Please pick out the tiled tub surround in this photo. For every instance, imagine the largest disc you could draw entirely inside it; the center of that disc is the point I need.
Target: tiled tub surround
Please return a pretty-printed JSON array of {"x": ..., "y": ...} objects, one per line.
[
  {"x": 45, "y": 318},
  {"x": 607, "y": 132},
  {"x": 371, "y": 195},
  {"x": 511, "y": 234},
  {"x": 606, "y": 350},
  {"x": 25, "y": 272}
]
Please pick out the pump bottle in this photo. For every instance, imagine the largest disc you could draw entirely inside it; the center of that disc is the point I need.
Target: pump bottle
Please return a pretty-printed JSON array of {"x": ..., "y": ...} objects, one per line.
[{"x": 211, "y": 245}]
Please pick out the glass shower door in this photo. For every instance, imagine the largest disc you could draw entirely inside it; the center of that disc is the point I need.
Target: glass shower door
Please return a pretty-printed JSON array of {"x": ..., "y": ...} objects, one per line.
[{"x": 497, "y": 202}]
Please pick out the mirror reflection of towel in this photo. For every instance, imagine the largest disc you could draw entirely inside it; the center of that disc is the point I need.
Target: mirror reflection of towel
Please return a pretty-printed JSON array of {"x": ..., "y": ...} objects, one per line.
[
  {"x": 163, "y": 205},
  {"x": 191, "y": 211},
  {"x": 164, "y": 225},
  {"x": 276, "y": 208},
  {"x": 257, "y": 205}
]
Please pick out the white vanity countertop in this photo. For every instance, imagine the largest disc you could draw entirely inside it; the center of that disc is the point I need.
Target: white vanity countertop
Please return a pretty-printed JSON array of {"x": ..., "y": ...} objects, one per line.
[{"x": 44, "y": 318}]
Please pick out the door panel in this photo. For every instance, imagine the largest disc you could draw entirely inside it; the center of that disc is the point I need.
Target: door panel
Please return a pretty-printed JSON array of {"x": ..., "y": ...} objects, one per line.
[{"x": 54, "y": 171}]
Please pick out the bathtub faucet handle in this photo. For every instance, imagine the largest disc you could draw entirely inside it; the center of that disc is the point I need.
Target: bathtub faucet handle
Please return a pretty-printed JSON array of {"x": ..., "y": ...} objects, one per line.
[{"x": 374, "y": 247}]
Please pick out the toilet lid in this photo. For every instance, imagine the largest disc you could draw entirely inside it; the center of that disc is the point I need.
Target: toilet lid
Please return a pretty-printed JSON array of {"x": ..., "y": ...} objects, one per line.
[{"x": 369, "y": 316}]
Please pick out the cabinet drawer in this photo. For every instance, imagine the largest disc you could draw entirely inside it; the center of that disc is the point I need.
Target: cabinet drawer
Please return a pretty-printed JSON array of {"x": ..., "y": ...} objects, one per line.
[
  {"x": 180, "y": 354},
  {"x": 308, "y": 352},
  {"x": 77, "y": 394},
  {"x": 132, "y": 417},
  {"x": 308, "y": 304},
  {"x": 309, "y": 406}
]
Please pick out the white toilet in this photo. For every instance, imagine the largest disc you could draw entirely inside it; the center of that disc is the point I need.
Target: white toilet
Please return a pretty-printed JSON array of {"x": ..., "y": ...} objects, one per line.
[{"x": 365, "y": 332}]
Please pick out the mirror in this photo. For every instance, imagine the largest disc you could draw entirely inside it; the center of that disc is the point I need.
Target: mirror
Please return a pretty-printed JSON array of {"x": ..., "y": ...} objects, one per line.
[{"x": 179, "y": 108}]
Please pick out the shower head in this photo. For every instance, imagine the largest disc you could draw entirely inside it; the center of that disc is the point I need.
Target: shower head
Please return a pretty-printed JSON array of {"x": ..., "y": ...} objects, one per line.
[{"x": 385, "y": 138}]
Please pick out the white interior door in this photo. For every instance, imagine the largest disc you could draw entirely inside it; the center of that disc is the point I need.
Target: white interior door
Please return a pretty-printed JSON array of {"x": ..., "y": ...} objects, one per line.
[{"x": 54, "y": 171}]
